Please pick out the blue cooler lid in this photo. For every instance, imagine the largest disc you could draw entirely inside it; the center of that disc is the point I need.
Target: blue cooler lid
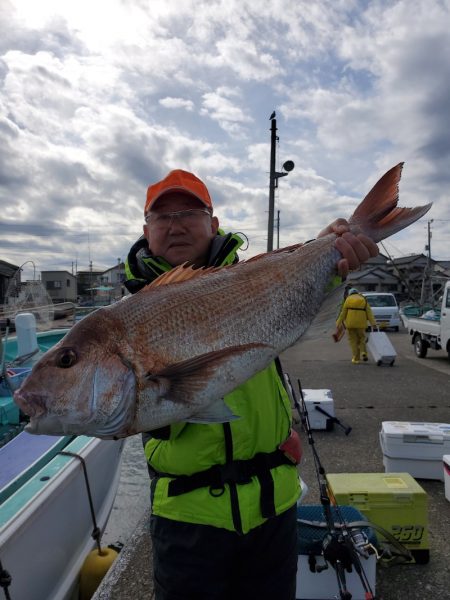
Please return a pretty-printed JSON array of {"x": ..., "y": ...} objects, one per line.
[{"x": 310, "y": 537}]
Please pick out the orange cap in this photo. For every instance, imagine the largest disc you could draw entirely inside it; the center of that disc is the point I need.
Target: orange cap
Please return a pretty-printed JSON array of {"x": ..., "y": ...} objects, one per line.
[{"x": 178, "y": 181}]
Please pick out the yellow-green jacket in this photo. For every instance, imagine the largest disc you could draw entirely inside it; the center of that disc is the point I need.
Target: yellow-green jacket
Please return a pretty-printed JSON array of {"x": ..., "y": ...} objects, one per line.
[
  {"x": 265, "y": 420},
  {"x": 178, "y": 456},
  {"x": 356, "y": 312}
]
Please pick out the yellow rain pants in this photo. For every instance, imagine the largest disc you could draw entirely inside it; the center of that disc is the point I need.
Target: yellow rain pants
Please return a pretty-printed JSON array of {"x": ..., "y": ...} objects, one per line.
[{"x": 357, "y": 339}]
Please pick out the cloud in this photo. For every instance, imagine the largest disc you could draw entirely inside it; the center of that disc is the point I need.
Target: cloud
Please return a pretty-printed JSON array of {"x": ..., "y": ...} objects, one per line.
[
  {"x": 219, "y": 106},
  {"x": 169, "y": 102},
  {"x": 90, "y": 116}
]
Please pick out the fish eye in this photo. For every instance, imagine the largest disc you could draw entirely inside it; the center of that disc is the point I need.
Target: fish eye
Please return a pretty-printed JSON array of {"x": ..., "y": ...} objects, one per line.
[{"x": 67, "y": 359}]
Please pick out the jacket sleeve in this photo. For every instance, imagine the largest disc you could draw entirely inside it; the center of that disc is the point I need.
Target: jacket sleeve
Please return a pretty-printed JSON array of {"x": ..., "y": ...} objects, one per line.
[
  {"x": 170, "y": 432},
  {"x": 341, "y": 318},
  {"x": 370, "y": 316}
]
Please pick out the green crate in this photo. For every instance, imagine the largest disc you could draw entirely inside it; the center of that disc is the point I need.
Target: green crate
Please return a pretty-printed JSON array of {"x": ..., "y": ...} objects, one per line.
[{"x": 395, "y": 501}]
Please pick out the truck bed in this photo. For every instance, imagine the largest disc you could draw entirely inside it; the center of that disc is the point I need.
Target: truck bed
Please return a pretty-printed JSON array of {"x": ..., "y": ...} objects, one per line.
[{"x": 422, "y": 325}]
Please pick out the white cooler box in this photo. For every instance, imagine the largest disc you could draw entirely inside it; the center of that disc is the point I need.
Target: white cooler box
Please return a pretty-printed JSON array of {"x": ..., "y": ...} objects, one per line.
[
  {"x": 316, "y": 400},
  {"x": 415, "y": 448},
  {"x": 446, "y": 461}
]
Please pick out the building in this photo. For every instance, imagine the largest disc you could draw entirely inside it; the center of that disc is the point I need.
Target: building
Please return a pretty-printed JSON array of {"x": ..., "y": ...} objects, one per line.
[
  {"x": 87, "y": 281},
  {"x": 416, "y": 277},
  {"x": 114, "y": 278},
  {"x": 60, "y": 285},
  {"x": 7, "y": 272}
]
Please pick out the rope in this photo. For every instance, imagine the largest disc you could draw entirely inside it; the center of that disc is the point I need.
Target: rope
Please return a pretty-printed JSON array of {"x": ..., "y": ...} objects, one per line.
[
  {"x": 96, "y": 533},
  {"x": 5, "y": 581}
]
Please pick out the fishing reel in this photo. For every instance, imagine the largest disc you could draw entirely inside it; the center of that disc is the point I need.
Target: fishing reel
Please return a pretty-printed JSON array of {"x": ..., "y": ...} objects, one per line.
[
  {"x": 339, "y": 548},
  {"x": 337, "y": 551}
]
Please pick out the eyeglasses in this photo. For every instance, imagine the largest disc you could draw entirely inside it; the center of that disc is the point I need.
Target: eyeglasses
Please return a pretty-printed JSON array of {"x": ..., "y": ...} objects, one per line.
[{"x": 184, "y": 217}]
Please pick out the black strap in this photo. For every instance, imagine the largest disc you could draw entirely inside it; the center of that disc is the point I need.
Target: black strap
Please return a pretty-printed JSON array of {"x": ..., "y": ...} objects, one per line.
[
  {"x": 234, "y": 472},
  {"x": 234, "y": 498},
  {"x": 267, "y": 486},
  {"x": 237, "y": 471}
]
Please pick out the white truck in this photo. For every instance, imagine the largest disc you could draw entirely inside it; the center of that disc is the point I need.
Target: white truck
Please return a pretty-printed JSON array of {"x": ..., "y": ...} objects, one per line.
[{"x": 428, "y": 333}]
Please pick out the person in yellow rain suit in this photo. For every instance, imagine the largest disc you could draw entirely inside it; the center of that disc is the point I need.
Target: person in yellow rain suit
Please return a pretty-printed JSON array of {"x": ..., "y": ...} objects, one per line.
[{"x": 354, "y": 315}]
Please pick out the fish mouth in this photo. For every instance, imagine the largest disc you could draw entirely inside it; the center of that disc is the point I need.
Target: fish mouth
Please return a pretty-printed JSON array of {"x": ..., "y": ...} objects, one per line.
[
  {"x": 41, "y": 421},
  {"x": 44, "y": 420},
  {"x": 33, "y": 405},
  {"x": 47, "y": 425}
]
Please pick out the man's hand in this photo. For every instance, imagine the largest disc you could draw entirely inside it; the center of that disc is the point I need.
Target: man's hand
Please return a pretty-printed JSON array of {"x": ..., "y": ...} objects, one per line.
[{"x": 355, "y": 249}]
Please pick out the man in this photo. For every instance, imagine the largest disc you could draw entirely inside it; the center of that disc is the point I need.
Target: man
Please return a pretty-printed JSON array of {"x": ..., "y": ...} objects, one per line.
[
  {"x": 224, "y": 495},
  {"x": 354, "y": 315}
]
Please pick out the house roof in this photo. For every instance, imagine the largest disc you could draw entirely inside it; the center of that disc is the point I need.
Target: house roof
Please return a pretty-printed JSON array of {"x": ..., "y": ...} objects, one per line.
[
  {"x": 7, "y": 269},
  {"x": 59, "y": 273}
]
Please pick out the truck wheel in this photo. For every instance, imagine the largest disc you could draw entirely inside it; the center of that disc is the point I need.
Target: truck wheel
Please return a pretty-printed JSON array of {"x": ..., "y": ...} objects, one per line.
[{"x": 420, "y": 347}]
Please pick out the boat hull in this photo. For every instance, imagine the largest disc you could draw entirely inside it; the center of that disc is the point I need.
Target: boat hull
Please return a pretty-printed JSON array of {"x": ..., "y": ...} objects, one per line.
[{"x": 46, "y": 524}]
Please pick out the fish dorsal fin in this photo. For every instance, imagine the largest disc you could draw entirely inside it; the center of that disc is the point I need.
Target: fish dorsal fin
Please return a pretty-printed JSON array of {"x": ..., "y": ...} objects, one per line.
[
  {"x": 284, "y": 250},
  {"x": 183, "y": 272}
]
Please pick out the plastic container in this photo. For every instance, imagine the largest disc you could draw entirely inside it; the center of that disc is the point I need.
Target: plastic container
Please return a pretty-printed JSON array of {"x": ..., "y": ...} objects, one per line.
[
  {"x": 415, "y": 448},
  {"x": 446, "y": 464},
  {"x": 319, "y": 399},
  {"x": 394, "y": 501},
  {"x": 25, "y": 324}
]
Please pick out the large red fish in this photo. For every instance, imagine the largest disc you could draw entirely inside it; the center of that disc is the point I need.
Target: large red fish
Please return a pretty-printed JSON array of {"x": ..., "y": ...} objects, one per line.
[{"x": 172, "y": 351}]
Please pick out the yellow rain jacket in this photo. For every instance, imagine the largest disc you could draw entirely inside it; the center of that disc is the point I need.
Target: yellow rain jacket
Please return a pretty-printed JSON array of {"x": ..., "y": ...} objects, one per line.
[{"x": 356, "y": 312}]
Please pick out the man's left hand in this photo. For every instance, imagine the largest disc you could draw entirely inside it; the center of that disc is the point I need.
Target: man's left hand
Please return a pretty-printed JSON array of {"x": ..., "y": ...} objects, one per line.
[{"x": 355, "y": 249}]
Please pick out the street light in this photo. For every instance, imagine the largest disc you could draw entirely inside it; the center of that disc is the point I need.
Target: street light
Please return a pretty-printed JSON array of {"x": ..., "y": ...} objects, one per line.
[{"x": 288, "y": 166}]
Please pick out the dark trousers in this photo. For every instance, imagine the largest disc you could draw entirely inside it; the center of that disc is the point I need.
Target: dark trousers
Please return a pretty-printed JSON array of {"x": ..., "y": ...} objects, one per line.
[{"x": 199, "y": 562}]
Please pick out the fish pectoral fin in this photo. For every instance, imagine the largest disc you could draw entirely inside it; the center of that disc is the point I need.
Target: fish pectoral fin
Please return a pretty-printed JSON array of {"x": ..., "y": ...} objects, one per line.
[
  {"x": 183, "y": 381},
  {"x": 218, "y": 412}
]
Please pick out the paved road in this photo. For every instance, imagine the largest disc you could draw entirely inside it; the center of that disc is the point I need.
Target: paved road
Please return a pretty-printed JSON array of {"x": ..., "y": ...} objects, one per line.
[{"x": 365, "y": 395}]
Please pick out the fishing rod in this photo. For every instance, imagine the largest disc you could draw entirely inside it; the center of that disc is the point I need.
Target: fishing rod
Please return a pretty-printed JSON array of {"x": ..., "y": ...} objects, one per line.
[
  {"x": 333, "y": 419},
  {"x": 342, "y": 546}
]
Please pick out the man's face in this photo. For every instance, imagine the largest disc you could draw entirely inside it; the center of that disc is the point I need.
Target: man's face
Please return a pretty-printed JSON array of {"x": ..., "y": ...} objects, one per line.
[{"x": 180, "y": 241}]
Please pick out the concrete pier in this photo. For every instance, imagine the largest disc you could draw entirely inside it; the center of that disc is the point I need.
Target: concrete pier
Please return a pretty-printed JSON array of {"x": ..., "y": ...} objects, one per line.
[{"x": 364, "y": 396}]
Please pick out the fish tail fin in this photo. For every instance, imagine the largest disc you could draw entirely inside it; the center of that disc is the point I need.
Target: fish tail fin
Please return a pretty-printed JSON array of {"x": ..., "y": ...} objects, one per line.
[{"x": 378, "y": 215}]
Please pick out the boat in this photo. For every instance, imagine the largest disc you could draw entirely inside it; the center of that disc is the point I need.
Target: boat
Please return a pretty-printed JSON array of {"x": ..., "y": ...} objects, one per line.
[{"x": 56, "y": 492}]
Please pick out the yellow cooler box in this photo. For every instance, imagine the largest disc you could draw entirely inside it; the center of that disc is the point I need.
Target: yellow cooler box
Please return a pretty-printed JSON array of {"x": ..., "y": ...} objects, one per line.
[{"x": 394, "y": 501}]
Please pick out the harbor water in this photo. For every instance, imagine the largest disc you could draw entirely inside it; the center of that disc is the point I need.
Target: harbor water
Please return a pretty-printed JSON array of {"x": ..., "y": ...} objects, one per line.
[{"x": 133, "y": 494}]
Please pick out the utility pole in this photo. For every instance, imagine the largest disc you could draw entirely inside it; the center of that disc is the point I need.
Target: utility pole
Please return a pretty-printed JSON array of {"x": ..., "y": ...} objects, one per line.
[
  {"x": 90, "y": 282},
  {"x": 278, "y": 229},
  {"x": 273, "y": 179},
  {"x": 427, "y": 271},
  {"x": 428, "y": 246}
]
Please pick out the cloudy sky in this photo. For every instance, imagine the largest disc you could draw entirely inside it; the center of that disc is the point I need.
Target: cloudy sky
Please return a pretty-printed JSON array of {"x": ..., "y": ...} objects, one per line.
[{"x": 99, "y": 98}]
